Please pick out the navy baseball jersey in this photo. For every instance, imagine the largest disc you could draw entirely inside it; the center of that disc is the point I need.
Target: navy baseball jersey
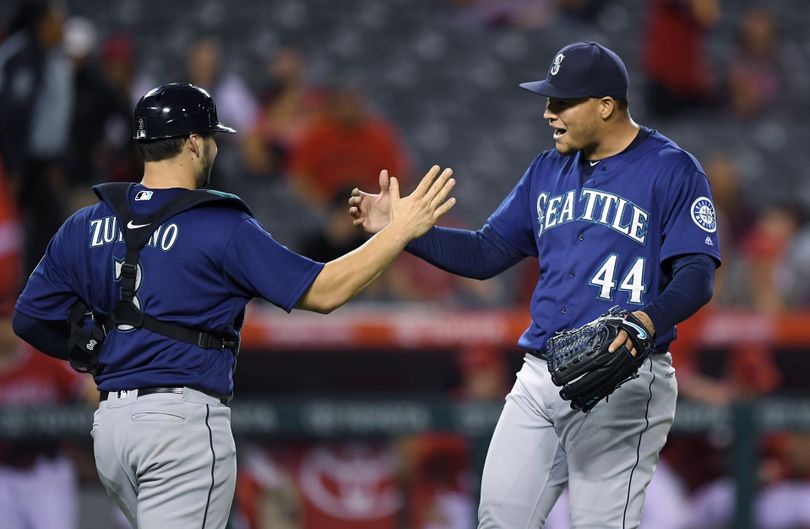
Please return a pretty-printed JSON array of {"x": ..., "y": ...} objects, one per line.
[
  {"x": 199, "y": 270},
  {"x": 608, "y": 224}
]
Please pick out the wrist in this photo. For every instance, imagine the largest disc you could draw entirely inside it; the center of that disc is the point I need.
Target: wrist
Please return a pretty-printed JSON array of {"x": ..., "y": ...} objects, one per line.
[
  {"x": 397, "y": 233},
  {"x": 646, "y": 320}
]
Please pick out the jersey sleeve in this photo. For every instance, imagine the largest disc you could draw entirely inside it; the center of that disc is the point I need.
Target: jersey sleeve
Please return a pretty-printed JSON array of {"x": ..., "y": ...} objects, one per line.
[
  {"x": 259, "y": 265},
  {"x": 49, "y": 293},
  {"x": 690, "y": 225},
  {"x": 512, "y": 221}
]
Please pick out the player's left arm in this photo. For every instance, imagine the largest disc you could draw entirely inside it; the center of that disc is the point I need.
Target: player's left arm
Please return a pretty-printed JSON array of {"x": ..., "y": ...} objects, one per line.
[
  {"x": 50, "y": 337},
  {"x": 690, "y": 250},
  {"x": 41, "y": 311},
  {"x": 691, "y": 287}
]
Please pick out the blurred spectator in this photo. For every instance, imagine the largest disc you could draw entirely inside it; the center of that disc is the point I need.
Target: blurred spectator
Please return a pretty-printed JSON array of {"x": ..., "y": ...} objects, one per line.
[
  {"x": 262, "y": 163},
  {"x": 411, "y": 279},
  {"x": 266, "y": 493},
  {"x": 525, "y": 14},
  {"x": 678, "y": 73},
  {"x": 484, "y": 373},
  {"x": 765, "y": 74},
  {"x": 288, "y": 106},
  {"x": 781, "y": 502},
  {"x": 436, "y": 468},
  {"x": 733, "y": 223},
  {"x": 98, "y": 109},
  {"x": 732, "y": 210},
  {"x": 765, "y": 250},
  {"x": 235, "y": 102},
  {"x": 38, "y": 482},
  {"x": 36, "y": 102},
  {"x": 118, "y": 69},
  {"x": 118, "y": 64},
  {"x": 587, "y": 11},
  {"x": 347, "y": 146},
  {"x": 796, "y": 270},
  {"x": 338, "y": 236},
  {"x": 10, "y": 238},
  {"x": 752, "y": 370}
]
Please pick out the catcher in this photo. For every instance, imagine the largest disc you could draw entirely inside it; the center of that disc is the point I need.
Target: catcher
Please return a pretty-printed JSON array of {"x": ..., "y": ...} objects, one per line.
[{"x": 618, "y": 215}]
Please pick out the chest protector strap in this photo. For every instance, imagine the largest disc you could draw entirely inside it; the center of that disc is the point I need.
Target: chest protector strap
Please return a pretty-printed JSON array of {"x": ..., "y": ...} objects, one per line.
[{"x": 137, "y": 230}]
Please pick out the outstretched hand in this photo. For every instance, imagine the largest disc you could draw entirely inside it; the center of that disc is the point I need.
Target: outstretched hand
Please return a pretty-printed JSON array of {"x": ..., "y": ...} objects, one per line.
[
  {"x": 419, "y": 211},
  {"x": 372, "y": 212}
]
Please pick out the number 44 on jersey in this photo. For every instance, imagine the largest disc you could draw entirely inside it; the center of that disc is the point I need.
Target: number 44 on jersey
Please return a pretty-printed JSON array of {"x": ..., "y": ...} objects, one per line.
[{"x": 632, "y": 282}]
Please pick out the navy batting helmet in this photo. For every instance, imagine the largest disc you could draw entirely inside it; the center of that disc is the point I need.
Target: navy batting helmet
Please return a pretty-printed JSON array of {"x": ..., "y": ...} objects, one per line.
[{"x": 175, "y": 110}]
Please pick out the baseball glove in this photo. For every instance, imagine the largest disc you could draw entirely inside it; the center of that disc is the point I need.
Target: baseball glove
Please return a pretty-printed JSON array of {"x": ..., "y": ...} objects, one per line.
[{"x": 579, "y": 361}]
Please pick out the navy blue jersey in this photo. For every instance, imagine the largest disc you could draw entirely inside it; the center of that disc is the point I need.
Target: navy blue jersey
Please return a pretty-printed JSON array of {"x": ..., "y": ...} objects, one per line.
[
  {"x": 603, "y": 230},
  {"x": 199, "y": 270}
]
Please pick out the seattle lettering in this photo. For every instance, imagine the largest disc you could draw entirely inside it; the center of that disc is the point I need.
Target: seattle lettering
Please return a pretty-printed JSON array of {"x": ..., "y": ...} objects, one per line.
[{"x": 598, "y": 207}]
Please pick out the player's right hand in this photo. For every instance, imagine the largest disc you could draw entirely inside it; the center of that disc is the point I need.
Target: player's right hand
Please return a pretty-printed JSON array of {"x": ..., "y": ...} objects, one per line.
[{"x": 419, "y": 211}]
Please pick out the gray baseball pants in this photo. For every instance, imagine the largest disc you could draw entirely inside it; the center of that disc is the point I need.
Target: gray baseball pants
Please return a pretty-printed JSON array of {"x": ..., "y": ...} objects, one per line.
[
  {"x": 605, "y": 457},
  {"x": 167, "y": 460}
]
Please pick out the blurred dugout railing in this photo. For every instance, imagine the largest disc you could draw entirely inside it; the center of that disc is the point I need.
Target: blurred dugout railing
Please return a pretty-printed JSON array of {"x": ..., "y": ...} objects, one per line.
[{"x": 420, "y": 327}]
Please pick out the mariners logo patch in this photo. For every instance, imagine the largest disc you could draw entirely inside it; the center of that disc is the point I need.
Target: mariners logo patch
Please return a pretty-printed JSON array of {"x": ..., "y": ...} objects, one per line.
[
  {"x": 703, "y": 214},
  {"x": 555, "y": 67}
]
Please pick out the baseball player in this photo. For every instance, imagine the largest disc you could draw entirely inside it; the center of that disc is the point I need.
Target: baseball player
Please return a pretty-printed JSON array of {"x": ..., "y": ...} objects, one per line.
[
  {"x": 166, "y": 270},
  {"x": 618, "y": 214}
]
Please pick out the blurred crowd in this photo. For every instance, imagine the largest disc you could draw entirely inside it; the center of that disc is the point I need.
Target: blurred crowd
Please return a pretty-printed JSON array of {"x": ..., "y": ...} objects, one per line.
[{"x": 67, "y": 88}]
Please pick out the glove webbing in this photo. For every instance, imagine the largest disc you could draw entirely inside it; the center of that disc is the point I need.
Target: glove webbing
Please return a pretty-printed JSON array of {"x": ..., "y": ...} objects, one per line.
[{"x": 574, "y": 342}]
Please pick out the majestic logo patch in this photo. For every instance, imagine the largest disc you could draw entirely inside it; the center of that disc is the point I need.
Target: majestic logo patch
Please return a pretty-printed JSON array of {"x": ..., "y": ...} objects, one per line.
[
  {"x": 555, "y": 66},
  {"x": 703, "y": 214}
]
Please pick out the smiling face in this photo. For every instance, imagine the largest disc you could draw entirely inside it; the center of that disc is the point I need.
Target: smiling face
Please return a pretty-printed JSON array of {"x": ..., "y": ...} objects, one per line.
[{"x": 577, "y": 123}]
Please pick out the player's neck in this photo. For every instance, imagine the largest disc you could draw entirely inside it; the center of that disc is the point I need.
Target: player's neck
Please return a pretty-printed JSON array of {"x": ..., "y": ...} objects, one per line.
[
  {"x": 616, "y": 139},
  {"x": 171, "y": 173}
]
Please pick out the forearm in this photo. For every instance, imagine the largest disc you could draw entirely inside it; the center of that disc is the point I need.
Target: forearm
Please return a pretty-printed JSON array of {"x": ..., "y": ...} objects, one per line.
[
  {"x": 50, "y": 337},
  {"x": 691, "y": 287},
  {"x": 345, "y": 277},
  {"x": 477, "y": 254}
]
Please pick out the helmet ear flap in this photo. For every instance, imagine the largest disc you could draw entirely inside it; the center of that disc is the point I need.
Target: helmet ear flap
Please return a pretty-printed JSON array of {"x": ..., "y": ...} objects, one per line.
[{"x": 175, "y": 110}]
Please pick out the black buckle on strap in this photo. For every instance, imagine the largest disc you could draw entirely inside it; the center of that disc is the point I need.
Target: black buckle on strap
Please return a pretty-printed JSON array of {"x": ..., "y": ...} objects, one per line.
[
  {"x": 207, "y": 340},
  {"x": 129, "y": 271}
]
